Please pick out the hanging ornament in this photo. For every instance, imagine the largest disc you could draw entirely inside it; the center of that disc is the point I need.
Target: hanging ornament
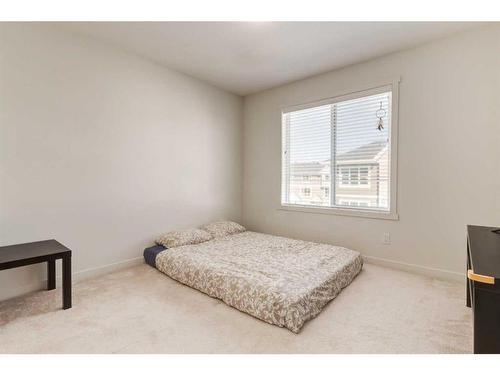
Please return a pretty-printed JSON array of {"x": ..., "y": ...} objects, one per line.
[{"x": 380, "y": 115}]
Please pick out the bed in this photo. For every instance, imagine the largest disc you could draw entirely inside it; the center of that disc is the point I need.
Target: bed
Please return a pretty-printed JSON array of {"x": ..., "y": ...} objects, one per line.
[
  {"x": 150, "y": 254},
  {"x": 279, "y": 280}
]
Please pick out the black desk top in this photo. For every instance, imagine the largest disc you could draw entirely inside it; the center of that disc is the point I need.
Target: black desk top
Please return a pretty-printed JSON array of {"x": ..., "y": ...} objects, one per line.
[
  {"x": 31, "y": 250},
  {"x": 484, "y": 249}
]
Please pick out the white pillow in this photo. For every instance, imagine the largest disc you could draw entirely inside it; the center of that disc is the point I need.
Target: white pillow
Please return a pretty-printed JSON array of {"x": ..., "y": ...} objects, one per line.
[
  {"x": 223, "y": 228},
  {"x": 183, "y": 237}
]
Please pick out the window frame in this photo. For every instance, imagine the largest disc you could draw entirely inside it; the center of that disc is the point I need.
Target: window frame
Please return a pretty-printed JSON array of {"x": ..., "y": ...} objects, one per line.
[{"x": 375, "y": 213}]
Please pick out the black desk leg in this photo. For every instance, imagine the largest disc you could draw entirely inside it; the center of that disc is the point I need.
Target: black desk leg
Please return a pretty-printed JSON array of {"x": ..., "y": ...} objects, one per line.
[
  {"x": 66, "y": 275},
  {"x": 467, "y": 281},
  {"x": 51, "y": 274}
]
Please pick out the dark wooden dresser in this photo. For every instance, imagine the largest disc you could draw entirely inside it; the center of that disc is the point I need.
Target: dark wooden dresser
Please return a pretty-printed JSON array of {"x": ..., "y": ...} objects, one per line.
[{"x": 483, "y": 286}]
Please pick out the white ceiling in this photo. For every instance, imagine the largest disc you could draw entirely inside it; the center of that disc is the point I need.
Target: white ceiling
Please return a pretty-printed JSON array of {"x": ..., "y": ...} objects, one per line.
[{"x": 247, "y": 57}]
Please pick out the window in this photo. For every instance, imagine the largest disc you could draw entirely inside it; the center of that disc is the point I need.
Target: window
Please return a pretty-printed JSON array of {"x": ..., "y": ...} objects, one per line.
[
  {"x": 354, "y": 203},
  {"x": 354, "y": 176},
  {"x": 339, "y": 141},
  {"x": 363, "y": 175}
]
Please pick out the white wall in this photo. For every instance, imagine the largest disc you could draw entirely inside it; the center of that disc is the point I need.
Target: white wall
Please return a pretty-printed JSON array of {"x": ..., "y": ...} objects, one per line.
[
  {"x": 449, "y": 154},
  {"x": 103, "y": 150}
]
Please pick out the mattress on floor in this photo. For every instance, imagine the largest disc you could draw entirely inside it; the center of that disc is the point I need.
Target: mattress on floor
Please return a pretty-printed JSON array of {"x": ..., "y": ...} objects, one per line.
[
  {"x": 150, "y": 254},
  {"x": 279, "y": 280}
]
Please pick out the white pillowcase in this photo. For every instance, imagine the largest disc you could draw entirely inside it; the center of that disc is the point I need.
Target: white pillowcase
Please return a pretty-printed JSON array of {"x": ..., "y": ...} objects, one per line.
[
  {"x": 223, "y": 228},
  {"x": 183, "y": 237}
]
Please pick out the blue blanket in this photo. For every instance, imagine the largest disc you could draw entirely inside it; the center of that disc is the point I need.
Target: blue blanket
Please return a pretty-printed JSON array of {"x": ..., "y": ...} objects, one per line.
[{"x": 150, "y": 254}]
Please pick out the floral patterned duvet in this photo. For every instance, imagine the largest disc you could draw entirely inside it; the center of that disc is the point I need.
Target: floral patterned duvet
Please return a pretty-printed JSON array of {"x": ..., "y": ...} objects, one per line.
[{"x": 279, "y": 280}]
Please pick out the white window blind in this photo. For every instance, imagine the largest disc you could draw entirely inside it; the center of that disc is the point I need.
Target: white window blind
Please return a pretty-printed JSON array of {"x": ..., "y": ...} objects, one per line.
[{"x": 334, "y": 154}]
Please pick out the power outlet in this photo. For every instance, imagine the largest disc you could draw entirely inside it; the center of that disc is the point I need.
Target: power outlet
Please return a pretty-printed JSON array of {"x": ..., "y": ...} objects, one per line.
[{"x": 386, "y": 239}]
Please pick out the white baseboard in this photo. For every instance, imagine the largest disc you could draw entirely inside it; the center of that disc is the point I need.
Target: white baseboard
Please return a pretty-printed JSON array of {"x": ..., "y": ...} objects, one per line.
[
  {"x": 98, "y": 271},
  {"x": 417, "y": 269},
  {"x": 77, "y": 276}
]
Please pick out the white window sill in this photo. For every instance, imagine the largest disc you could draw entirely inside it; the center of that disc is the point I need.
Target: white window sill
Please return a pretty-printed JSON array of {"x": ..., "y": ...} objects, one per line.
[{"x": 366, "y": 213}]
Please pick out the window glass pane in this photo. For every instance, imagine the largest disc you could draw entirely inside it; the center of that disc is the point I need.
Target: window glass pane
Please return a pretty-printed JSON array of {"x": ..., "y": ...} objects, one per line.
[
  {"x": 309, "y": 137},
  {"x": 364, "y": 149}
]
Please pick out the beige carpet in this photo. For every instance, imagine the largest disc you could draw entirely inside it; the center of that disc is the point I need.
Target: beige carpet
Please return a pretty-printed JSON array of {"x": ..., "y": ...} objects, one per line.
[{"x": 140, "y": 310}]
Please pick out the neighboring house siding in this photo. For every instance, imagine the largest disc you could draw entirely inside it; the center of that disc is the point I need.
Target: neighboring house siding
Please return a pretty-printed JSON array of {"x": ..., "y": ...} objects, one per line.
[{"x": 384, "y": 170}]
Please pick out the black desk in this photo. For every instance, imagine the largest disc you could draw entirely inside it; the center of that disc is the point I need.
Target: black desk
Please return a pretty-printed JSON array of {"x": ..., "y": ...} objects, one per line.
[
  {"x": 38, "y": 252},
  {"x": 483, "y": 286}
]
